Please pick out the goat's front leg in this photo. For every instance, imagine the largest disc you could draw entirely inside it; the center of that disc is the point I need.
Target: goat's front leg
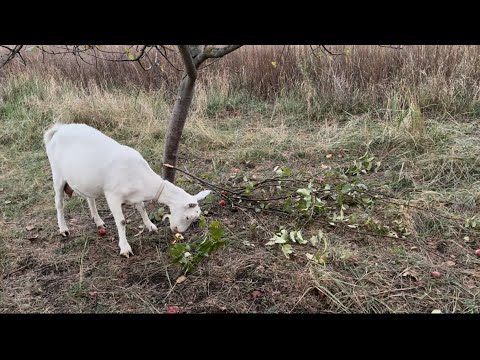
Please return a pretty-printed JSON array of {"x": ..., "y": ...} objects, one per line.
[
  {"x": 94, "y": 212},
  {"x": 143, "y": 213},
  {"x": 115, "y": 205}
]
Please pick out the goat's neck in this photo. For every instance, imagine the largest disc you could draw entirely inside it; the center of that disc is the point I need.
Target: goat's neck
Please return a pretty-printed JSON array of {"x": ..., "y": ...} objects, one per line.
[{"x": 170, "y": 194}]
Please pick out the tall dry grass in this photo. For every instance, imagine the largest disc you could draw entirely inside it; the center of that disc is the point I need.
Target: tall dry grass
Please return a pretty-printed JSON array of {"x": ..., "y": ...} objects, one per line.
[{"x": 436, "y": 78}]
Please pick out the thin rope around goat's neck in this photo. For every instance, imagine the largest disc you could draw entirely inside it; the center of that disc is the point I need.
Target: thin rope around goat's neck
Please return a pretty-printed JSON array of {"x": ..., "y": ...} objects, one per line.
[{"x": 160, "y": 190}]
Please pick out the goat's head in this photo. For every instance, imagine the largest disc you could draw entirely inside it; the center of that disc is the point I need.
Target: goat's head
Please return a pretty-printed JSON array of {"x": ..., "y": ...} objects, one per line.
[{"x": 186, "y": 211}]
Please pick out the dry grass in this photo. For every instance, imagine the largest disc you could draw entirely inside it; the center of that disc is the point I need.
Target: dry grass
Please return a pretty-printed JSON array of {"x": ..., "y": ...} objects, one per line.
[{"x": 438, "y": 79}]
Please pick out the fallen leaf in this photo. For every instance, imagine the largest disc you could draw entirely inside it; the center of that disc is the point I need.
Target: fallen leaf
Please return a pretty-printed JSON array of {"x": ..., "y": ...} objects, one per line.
[
  {"x": 29, "y": 227},
  {"x": 33, "y": 237},
  {"x": 93, "y": 293},
  {"x": 1, "y": 190},
  {"x": 223, "y": 308},
  {"x": 413, "y": 248},
  {"x": 329, "y": 156},
  {"x": 410, "y": 272},
  {"x": 181, "y": 279},
  {"x": 450, "y": 263},
  {"x": 7, "y": 202},
  {"x": 437, "y": 311}
]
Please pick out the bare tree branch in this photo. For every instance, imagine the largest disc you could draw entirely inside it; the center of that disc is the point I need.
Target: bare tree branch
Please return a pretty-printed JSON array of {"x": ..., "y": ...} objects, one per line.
[
  {"x": 213, "y": 52},
  {"x": 188, "y": 61},
  {"x": 330, "y": 52},
  {"x": 165, "y": 56},
  {"x": 11, "y": 54},
  {"x": 398, "y": 47},
  {"x": 220, "y": 52}
]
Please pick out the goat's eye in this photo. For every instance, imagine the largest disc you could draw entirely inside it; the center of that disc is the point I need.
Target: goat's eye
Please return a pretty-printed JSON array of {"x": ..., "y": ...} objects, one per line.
[{"x": 187, "y": 217}]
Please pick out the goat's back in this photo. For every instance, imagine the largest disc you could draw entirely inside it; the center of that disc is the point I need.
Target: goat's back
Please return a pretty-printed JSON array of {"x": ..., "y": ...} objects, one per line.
[{"x": 86, "y": 158}]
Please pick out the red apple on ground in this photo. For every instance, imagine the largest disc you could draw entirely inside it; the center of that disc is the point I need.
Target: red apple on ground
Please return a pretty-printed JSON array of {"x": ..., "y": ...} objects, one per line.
[
  {"x": 173, "y": 310},
  {"x": 102, "y": 231}
]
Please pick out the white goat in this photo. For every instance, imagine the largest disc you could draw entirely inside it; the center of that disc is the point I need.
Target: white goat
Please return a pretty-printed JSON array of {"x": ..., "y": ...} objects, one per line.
[{"x": 86, "y": 161}]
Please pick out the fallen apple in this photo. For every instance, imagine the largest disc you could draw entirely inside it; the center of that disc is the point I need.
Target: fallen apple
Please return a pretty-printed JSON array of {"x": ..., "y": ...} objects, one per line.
[
  {"x": 102, "y": 231},
  {"x": 477, "y": 252},
  {"x": 222, "y": 202},
  {"x": 436, "y": 274},
  {"x": 173, "y": 310}
]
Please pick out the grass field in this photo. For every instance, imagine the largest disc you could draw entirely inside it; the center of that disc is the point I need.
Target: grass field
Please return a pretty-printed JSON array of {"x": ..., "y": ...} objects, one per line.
[{"x": 415, "y": 111}]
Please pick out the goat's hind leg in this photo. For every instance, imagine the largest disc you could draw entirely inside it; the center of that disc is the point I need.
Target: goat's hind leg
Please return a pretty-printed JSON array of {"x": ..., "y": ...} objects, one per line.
[{"x": 58, "y": 186}]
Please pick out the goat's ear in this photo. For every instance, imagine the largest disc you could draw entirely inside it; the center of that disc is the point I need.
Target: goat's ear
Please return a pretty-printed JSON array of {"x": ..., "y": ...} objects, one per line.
[{"x": 202, "y": 195}]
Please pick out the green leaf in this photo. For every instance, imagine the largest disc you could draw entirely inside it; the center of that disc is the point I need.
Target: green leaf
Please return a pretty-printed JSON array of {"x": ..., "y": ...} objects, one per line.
[
  {"x": 325, "y": 241},
  {"x": 248, "y": 188},
  {"x": 300, "y": 238},
  {"x": 317, "y": 258},
  {"x": 203, "y": 222},
  {"x": 216, "y": 230},
  {"x": 283, "y": 171},
  {"x": 287, "y": 250},
  {"x": 158, "y": 215},
  {"x": 286, "y": 171},
  {"x": 279, "y": 238},
  {"x": 314, "y": 240},
  {"x": 292, "y": 235},
  {"x": 346, "y": 188}
]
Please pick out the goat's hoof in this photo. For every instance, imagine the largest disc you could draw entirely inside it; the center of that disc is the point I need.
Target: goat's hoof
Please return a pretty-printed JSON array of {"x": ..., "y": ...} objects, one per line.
[
  {"x": 126, "y": 252},
  {"x": 64, "y": 233}
]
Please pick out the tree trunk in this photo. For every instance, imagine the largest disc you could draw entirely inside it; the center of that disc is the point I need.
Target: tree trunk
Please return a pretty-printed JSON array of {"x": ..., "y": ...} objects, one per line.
[
  {"x": 193, "y": 56},
  {"x": 175, "y": 127}
]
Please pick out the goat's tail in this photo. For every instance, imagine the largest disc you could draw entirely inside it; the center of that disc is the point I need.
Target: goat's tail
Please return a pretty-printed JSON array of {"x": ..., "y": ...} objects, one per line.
[{"x": 48, "y": 134}]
